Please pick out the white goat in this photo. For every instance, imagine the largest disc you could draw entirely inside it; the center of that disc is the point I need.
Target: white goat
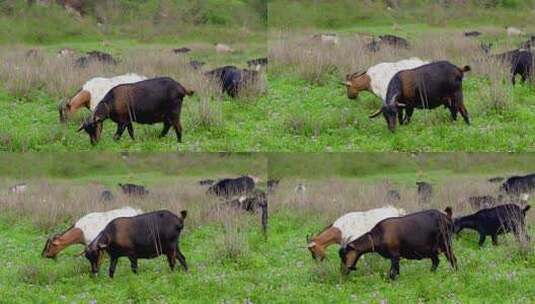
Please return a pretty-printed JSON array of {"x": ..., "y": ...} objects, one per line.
[
  {"x": 377, "y": 77},
  {"x": 349, "y": 227},
  {"x": 94, "y": 90},
  {"x": 85, "y": 230}
]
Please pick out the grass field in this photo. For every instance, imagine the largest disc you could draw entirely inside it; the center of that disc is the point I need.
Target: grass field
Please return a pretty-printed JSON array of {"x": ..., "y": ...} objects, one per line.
[
  {"x": 211, "y": 121},
  {"x": 306, "y": 79},
  {"x": 230, "y": 262},
  {"x": 300, "y": 105},
  {"x": 140, "y": 35}
]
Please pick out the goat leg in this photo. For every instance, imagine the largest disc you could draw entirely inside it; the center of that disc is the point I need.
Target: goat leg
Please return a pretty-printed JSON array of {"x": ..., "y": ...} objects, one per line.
[
  {"x": 119, "y": 132},
  {"x": 178, "y": 130},
  {"x": 495, "y": 239},
  {"x": 165, "y": 130},
  {"x": 171, "y": 258},
  {"x": 130, "y": 130},
  {"x": 482, "y": 238},
  {"x": 133, "y": 264},
  {"x": 181, "y": 258},
  {"x": 435, "y": 261},
  {"x": 408, "y": 115},
  {"x": 113, "y": 265},
  {"x": 394, "y": 268}
]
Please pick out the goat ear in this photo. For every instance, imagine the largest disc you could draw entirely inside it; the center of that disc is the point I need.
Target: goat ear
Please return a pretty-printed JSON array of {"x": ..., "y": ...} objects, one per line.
[{"x": 184, "y": 214}]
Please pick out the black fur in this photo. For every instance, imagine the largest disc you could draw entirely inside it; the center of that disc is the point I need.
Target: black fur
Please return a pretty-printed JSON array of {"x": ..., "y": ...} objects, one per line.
[{"x": 495, "y": 221}]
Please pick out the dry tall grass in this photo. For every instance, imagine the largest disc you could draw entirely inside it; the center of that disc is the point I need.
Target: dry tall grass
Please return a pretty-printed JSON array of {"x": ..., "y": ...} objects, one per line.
[
  {"x": 22, "y": 73},
  {"x": 297, "y": 53},
  {"x": 52, "y": 206},
  {"x": 326, "y": 200}
]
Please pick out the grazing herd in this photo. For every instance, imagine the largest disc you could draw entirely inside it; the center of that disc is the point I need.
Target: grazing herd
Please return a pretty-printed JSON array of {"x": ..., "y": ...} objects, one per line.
[
  {"x": 389, "y": 231},
  {"x": 129, "y": 232},
  {"x": 413, "y": 83},
  {"x": 393, "y": 234},
  {"x": 143, "y": 236},
  {"x": 130, "y": 98},
  {"x": 415, "y": 236},
  {"x": 403, "y": 86},
  {"x": 146, "y": 102}
]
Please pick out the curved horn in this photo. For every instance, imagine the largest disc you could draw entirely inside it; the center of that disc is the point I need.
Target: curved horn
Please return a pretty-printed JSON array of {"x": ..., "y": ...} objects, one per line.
[
  {"x": 81, "y": 127},
  {"x": 376, "y": 113}
]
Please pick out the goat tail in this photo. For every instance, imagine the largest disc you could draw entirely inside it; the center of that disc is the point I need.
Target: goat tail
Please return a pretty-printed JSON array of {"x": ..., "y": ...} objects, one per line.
[
  {"x": 526, "y": 209},
  {"x": 466, "y": 68},
  {"x": 448, "y": 211},
  {"x": 189, "y": 92}
]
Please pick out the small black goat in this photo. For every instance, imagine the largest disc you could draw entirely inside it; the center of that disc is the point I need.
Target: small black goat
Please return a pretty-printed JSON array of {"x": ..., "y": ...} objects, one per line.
[{"x": 494, "y": 221}]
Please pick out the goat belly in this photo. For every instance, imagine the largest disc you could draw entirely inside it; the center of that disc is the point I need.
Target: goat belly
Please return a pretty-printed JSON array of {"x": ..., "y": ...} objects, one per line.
[
  {"x": 140, "y": 117},
  {"x": 414, "y": 254}
]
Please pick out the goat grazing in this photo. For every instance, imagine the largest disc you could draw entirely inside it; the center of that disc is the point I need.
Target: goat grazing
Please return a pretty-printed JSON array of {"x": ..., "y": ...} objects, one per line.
[
  {"x": 143, "y": 236},
  {"x": 92, "y": 92},
  {"x": 347, "y": 228},
  {"x": 416, "y": 236},
  {"x": 495, "y": 221},
  {"x": 85, "y": 230},
  {"x": 146, "y": 102},
  {"x": 426, "y": 87}
]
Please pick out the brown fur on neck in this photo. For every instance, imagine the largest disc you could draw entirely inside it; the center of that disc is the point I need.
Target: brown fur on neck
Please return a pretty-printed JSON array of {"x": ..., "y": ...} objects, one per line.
[
  {"x": 357, "y": 83},
  {"x": 327, "y": 237},
  {"x": 364, "y": 244},
  {"x": 81, "y": 99},
  {"x": 61, "y": 241}
]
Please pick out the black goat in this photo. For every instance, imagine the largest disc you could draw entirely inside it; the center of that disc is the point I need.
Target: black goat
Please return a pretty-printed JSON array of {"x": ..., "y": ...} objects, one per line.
[
  {"x": 495, "y": 221},
  {"x": 425, "y": 87}
]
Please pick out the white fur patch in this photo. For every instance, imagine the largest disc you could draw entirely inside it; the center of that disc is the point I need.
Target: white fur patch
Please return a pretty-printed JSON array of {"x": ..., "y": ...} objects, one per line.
[
  {"x": 354, "y": 224},
  {"x": 93, "y": 223},
  {"x": 98, "y": 87},
  {"x": 381, "y": 74}
]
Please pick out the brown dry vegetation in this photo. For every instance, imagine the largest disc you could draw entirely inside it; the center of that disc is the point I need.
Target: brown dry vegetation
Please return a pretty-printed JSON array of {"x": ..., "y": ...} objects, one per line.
[
  {"x": 55, "y": 204},
  {"x": 57, "y": 76},
  {"x": 299, "y": 53},
  {"x": 326, "y": 200}
]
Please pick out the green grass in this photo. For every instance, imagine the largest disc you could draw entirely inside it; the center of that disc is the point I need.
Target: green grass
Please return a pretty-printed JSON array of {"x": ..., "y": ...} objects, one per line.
[
  {"x": 32, "y": 123},
  {"x": 316, "y": 115},
  {"x": 294, "y": 116},
  {"x": 325, "y": 14},
  {"x": 146, "y": 20},
  {"x": 278, "y": 270},
  {"x": 34, "y": 126},
  {"x": 322, "y": 118}
]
